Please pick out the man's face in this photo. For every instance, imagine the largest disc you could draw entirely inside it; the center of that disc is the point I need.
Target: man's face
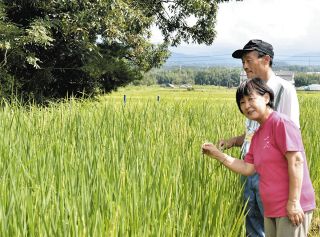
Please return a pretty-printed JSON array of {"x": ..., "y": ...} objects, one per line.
[{"x": 253, "y": 65}]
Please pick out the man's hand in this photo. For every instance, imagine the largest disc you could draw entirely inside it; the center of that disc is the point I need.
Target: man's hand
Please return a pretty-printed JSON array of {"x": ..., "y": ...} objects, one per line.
[
  {"x": 231, "y": 142},
  {"x": 225, "y": 144}
]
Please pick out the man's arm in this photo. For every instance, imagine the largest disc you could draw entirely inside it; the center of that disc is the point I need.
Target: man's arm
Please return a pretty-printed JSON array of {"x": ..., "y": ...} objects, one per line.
[{"x": 231, "y": 142}]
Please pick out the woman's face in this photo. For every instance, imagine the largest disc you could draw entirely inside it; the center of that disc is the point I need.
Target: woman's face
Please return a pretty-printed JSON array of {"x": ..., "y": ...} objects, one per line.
[{"x": 254, "y": 106}]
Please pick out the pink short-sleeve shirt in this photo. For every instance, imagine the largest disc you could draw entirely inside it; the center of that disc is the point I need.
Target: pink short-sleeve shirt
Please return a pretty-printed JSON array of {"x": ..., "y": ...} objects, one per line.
[{"x": 277, "y": 135}]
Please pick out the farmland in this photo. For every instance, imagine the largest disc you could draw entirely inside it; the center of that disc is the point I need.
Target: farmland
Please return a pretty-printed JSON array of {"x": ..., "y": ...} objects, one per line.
[{"x": 108, "y": 168}]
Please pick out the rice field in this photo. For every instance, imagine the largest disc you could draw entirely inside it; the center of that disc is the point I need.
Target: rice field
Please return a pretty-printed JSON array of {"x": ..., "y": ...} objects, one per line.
[{"x": 109, "y": 168}]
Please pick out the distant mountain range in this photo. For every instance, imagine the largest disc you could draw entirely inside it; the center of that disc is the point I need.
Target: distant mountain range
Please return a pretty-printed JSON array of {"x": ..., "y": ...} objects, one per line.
[
  {"x": 225, "y": 59},
  {"x": 179, "y": 59}
]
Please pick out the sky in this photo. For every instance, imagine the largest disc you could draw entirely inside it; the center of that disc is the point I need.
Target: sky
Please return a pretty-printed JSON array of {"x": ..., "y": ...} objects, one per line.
[{"x": 291, "y": 26}]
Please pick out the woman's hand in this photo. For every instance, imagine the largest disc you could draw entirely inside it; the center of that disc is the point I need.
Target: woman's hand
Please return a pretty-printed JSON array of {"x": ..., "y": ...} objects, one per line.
[
  {"x": 236, "y": 165},
  {"x": 210, "y": 150},
  {"x": 295, "y": 212},
  {"x": 295, "y": 172}
]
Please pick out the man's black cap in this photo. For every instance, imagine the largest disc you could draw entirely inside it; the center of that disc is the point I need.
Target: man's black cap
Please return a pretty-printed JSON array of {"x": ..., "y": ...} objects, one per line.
[{"x": 255, "y": 44}]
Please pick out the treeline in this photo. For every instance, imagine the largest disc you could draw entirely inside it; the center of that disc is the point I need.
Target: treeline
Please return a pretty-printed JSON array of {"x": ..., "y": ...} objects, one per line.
[
  {"x": 218, "y": 76},
  {"x": 304, "y": 79}
]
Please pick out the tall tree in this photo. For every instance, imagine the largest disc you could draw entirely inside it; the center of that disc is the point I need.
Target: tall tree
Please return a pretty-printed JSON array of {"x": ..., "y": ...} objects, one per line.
[{"x": 54, "y": 48}]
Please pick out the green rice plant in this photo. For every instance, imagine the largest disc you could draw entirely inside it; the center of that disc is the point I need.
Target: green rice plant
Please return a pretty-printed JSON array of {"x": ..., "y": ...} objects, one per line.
[
  {"x": 105, "y": 168},
  {"x": 309, "y": 122}
]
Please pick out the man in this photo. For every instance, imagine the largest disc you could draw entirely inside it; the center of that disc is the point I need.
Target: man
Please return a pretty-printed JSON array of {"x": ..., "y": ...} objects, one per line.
[{"x": 257, "y": 58}]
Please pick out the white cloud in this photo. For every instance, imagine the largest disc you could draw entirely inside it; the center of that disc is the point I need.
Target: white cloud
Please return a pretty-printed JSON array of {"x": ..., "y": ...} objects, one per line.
[{"x": 289, "y": 25}]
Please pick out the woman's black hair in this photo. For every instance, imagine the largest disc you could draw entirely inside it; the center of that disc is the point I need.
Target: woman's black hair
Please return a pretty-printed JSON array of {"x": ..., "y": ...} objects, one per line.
[{"x": 257, "y": 85}]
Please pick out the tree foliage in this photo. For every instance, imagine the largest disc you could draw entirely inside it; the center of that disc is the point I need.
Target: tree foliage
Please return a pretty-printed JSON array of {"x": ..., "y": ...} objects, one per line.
[
  {"x": 305, "y": 79},
  {"x": 54, "y": 48},
  {"x": 221, "y": 76}
]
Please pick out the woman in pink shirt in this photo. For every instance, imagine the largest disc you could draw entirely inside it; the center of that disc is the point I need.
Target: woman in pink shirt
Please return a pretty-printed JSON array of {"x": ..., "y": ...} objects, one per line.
[{"x": 277, "y": 154}]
